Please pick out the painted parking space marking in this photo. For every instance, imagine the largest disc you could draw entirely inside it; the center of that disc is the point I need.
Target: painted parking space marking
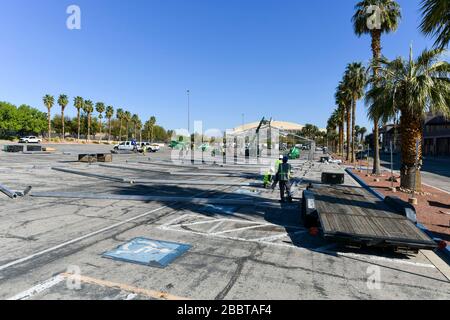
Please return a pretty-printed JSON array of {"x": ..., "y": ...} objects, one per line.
[
  {"x": 148, "y": 252},
  {"x": 133, "y": 292},
  {"x": 270, "y": 240},
  {"x": 37, "y": 289}
]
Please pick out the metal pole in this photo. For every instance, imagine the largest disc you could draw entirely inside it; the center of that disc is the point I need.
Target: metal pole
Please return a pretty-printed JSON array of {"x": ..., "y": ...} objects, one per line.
[
  {"x": 8, "y": 192},
  {"x": 392, "y": 168}
]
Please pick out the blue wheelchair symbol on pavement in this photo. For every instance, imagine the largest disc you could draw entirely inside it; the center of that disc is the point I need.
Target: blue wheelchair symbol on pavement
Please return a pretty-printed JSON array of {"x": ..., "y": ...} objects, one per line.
[{"x": 148, "y": 252}]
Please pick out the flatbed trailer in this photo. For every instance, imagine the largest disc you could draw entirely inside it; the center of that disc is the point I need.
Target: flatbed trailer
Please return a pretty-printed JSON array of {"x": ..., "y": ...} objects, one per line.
[{"x": 353, "y": 215}]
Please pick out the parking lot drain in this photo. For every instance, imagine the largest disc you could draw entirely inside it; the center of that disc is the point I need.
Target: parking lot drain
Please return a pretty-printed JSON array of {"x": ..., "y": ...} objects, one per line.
[{"x": 148, "y": 252}]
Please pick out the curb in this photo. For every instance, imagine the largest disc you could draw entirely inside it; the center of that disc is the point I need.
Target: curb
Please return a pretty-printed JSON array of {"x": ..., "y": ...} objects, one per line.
[{"x": 380, "y": 196}]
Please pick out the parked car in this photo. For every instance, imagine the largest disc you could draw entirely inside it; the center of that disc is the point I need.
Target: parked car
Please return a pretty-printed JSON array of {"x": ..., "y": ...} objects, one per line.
[
  {"x": 149, "y": 147},
  {"x": 127, "y": 146},
  {"x": 30, "y": 139}
]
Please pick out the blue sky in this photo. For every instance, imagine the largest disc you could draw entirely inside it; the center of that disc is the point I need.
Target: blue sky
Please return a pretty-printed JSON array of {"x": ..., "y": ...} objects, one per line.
[{"x": 273, "y": 58}]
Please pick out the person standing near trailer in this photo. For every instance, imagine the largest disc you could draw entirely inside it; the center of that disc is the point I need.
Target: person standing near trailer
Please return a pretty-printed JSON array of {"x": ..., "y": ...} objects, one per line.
[{"x": 284, "y": 175}]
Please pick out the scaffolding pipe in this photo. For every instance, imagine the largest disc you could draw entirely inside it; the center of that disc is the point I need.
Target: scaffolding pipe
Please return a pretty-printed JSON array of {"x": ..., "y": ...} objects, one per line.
[{"x": 8, "y": 192}]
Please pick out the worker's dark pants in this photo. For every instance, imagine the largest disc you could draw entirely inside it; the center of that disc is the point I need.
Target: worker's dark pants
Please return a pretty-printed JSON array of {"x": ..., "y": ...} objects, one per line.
[{"x": 285, "y": 187}]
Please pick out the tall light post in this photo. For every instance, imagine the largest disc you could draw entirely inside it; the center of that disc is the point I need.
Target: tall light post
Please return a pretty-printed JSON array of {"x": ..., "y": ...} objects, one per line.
[{"x": 189, "y": 111}]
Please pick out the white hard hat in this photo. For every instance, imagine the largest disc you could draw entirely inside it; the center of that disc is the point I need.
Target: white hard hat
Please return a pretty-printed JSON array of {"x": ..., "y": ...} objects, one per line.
[{"x": 281, "y": 157}]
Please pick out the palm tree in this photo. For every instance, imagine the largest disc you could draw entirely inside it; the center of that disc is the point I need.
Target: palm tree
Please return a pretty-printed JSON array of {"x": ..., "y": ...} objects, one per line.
[
  {"x": 135, "y": 119},
  {"x": 357, "y": 129},
  {"x": 332, "y": 125},
  {"x": 127, "y": 118},
  {"x": 78, "y": 103},
  {"x": 63, "y": 101},
  {"x": 390, "y": 15},
  {"x": 100, "y": 108},
  {"x": 355, "y": 79},
  {"x": 109, "y": 114},
  {"x": 49, "y": 101},
  {"x": 362, "y": 132},
  {"x": 151, "y": 125},
  {"x": 120, "y": 115},
  {"x": 436, "y": 21},
  {"x": 88, "y": 108},
  {"x": 413, "y": 87},
  {"x": 344, "y": 99}
]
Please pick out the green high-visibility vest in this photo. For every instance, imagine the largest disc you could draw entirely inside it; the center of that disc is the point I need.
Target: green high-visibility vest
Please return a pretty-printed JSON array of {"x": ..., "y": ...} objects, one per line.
[{"x": 284, "y": 172}]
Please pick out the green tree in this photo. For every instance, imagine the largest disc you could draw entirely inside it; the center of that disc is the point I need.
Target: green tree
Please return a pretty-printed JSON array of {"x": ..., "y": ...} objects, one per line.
[
  {"x": 436, "y": 21},
  {"x": 414, "y": 87},
  {"x": 355, "y": 81},
  {"x": 88, "y": 108},
  {"x": 100, "y": 108},
  {"x": 78, "y": 103},
  {"x": 149, "y": 127},
  {"x": 109, "y": 114},
  {"x": 30, "y": 120},
  {"x": 120, "y": 116},
  {"x": 390, "y": 15},
  {"x": 49, "y": 101}
]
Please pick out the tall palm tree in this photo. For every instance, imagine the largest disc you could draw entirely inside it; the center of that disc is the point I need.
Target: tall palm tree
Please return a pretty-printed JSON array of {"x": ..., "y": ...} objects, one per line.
[
  {"x": 120, "y": 116},
  {"x": 332, "y": 125},
  {"x": 78, "y": 103},
  {"x": 109, "y": 114},
  {"x": 49, "y": 101},
  {"x": 436, "y": 21},
  {"x": 355, "y": 79},
  {"x": 414, "y": 87},
  {"x": 127, "y": 118},
  {"x": 390, "y": 15},
  {"x": 344, "y": 99},
  {"x": 63, "y": 101},
  {"x": 100, "y": 108},
  {"x": 88, "y": 108},
  {"x": 135, "y": 119}
]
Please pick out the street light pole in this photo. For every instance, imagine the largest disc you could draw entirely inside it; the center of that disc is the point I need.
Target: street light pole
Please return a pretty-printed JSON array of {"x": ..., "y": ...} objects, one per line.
[{"x": 189, "y": 111}]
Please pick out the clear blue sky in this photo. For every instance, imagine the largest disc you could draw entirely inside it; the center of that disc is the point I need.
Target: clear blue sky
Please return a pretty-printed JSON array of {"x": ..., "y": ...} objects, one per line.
[{"x": 279, "y": 58}]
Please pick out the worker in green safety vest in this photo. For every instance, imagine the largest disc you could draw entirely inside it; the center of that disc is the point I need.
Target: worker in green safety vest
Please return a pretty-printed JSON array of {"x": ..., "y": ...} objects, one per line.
[{"x": 284, "y": 175}]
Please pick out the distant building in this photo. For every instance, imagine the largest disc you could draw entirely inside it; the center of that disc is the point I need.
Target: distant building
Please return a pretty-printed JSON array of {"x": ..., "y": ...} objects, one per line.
[
  {"x": 281, "y": 125},
  {"x": 436, "y": 135},
  {"x": 390, "y": 134}
]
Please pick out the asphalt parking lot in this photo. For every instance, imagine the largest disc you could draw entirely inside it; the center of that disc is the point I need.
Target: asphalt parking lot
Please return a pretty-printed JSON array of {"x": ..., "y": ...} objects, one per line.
[{"x": 234, "y": 251}]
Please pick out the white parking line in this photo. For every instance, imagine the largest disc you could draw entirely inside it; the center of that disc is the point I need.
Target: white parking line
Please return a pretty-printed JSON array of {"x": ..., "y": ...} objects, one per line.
[
  {"x": 27, "y": 294},
  {"x": 65, "y": 244}
]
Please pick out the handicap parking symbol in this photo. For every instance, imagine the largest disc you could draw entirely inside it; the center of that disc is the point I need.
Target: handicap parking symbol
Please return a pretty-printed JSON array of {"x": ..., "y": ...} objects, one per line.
[{"x": 148, "y": 252}]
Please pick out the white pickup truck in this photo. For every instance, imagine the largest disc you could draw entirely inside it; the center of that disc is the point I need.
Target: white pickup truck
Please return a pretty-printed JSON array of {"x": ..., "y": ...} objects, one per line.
[
  {"x": 30, "y": 139},
  {"x": 126, "y": 145}
]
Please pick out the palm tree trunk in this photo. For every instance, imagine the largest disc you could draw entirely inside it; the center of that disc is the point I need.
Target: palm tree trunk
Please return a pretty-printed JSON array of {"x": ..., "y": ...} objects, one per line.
[
  {"x": 348, "y": 134},
  {"x": 342, "y": 134},
  {"x": 101, "y": 130},
  {"x": 49, "y": 125},
  {"x": 376, "y": 53},
  {"x": 89, "y": 128},
  {"x": 340, "y": 140},
  {"x": 109, "y": 130},
  {"x": 411, "y": 132},
  {"x": 128, "y": 131},
  {"x": 120, "y": 131},
  {"x": 353, "y": 128},
  {"x": 62, "y": 122},
  {"x": 79, "y": 124}
]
